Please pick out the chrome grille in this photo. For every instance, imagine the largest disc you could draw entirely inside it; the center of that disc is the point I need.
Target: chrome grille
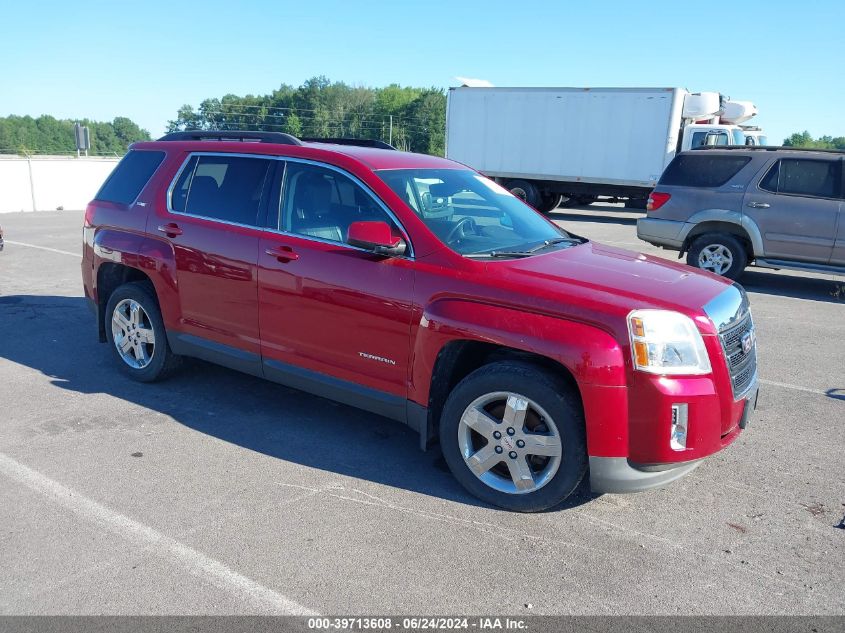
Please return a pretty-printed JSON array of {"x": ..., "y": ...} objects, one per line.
[{"x": 742, "y": 365}]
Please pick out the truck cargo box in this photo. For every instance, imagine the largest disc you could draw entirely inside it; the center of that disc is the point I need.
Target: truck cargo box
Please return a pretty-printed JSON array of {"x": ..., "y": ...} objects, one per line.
[{"x": 620, "y": 136}]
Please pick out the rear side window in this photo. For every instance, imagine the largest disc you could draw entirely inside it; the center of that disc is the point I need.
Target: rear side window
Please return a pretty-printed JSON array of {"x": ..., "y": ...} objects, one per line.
[
  {"x": 227, "y": 188},
  {"x": 130, "y": 176},
  {"x": 796, "y": 176},
  {"x": 701, "y": 169}
]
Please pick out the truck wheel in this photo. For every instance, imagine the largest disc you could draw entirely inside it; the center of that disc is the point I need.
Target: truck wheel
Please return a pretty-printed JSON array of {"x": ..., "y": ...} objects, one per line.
[
  {"x": 513, "y": 435},
  {"x": 549, "y": 202},
  {"x": 719, "y": 253},
  {"x": 135, "y": 332},
  {"x": 525, "y": 191}
]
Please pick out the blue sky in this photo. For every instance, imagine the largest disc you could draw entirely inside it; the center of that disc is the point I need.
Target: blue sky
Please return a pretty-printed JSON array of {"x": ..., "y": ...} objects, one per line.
[{"x": 145, "y": 59}]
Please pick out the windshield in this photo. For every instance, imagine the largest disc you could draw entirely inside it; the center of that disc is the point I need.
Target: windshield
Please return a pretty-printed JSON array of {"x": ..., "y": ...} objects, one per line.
[
  {"x": 739, "y": 137},
  {"x": 471, "y": 214}
]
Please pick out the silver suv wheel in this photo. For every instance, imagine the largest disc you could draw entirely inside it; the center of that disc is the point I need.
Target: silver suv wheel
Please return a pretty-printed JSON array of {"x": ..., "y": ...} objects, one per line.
[
  {"x": 716, "y": 258},
  {"x": 509, "y": 442},
  {"x": 132, "y": 333}
]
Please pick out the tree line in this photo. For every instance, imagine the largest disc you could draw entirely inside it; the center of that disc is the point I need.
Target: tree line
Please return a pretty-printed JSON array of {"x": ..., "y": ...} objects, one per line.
[
  {"x": 805, "y": 139},
  {"x": 412, "y": 119},
  {"x": 49, "y": 135}
]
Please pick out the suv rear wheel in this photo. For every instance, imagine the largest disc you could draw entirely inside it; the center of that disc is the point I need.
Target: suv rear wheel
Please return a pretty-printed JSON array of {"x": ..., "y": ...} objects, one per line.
[
  {"x": 719, "y": 253},
  {"x": 513, "y": 435},
  {"x": 135, "y": 330}
]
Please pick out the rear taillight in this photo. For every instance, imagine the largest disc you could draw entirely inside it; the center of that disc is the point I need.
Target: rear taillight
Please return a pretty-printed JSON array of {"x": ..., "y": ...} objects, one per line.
[
  {"x": 89, "y": 215},
  {"x": 656, "y": 200}
]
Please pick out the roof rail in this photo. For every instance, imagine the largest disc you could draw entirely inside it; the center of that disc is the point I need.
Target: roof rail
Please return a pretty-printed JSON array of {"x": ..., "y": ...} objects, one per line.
[
  {"x": 279, "y": 138},
  {"x": 768, "y": 148},
  {"x": 360, "y": 142}
]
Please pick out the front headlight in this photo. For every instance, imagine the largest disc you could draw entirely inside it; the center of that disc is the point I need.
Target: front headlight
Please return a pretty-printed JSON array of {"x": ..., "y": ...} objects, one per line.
[{"x": 666, "y": 342}]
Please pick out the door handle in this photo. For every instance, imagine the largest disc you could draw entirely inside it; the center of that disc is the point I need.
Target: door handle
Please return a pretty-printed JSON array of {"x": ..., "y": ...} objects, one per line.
[
  {"x": 759, "y": 205},
  {"x": 284, "y": 254},
  {"x": 170, "y": 229}
]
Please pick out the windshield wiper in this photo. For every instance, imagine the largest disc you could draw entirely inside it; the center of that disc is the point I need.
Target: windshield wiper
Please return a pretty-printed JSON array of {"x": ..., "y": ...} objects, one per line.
[
  {"x": 551, "y": 242},
  {"x": 529, "y": 251}
]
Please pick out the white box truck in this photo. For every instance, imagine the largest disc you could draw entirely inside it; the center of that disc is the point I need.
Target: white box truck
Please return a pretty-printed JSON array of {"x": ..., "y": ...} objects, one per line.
[{"x": 571, "y": 145}]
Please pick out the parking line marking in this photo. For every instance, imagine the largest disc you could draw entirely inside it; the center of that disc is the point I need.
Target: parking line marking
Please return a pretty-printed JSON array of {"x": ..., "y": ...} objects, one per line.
[
  {"x": 44, "y": 248},
  {"x": 785, "y": 385},
  {"x": 263, "y": 598}
]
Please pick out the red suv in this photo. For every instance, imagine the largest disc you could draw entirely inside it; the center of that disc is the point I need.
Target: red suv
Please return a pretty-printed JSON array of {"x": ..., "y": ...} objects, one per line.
[{"x": 417, "y": 289}]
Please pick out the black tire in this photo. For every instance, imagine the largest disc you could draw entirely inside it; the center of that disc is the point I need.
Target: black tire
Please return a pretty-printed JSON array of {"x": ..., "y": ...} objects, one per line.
[
  {"x": 578, "y": 201},
  {"x": 737, "y": 252},
  {"x": 525, "y": 191},
  {"x": 559, "y": 400},
  {"x": 636, "y": 203},
  {"x": 162, "y": 361},
  {"x": 549, "y": 202}
]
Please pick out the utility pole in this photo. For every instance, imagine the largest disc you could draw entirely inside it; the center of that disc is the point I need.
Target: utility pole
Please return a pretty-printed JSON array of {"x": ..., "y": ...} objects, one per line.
[{"x": 390, "y": 137}]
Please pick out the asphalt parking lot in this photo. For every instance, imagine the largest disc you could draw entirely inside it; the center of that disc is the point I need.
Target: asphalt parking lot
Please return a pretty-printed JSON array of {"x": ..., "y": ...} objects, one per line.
[{"x": 218, "y": 493}]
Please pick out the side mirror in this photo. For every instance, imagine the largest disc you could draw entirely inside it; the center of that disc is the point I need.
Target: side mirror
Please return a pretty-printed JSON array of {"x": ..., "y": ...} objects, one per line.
[{"x": 376, "y": 237}]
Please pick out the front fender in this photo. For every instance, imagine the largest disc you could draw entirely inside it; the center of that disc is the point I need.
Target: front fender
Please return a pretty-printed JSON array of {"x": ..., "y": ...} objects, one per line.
[{"x": 593, "y": 357}]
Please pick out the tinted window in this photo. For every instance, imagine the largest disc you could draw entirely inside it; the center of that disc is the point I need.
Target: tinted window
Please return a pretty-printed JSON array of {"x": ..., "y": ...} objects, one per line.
[
  {"x": 321, "y": 202},
  {"x": 770, "y": 182},
  {"x": 129, "y": 177},
  {"x": 817, "y": 178},
  {"x": 701, "y": 169},
  {"x": 225, "y": 188}
]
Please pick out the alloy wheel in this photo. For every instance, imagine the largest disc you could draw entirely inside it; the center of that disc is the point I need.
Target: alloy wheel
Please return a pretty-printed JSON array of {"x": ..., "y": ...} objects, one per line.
[
  {"x": 716, "y": 258},
  {"x": 509, "y": 442},
  {"x": 132, "y": 333}
]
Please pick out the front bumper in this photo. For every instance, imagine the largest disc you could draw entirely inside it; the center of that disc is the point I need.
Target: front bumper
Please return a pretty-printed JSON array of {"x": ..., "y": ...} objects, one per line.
[
  {"x": 666, "y": 233},
  {"x": 617, "y": 475}
]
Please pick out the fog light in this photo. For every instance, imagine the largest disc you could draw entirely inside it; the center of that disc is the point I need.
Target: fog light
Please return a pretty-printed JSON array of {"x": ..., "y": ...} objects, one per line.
[{"x": 678, "y": 435}]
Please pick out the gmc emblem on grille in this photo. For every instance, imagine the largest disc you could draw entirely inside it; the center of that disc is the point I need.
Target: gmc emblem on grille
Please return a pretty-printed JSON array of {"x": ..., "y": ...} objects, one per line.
[{"x": 747, "y": 342}]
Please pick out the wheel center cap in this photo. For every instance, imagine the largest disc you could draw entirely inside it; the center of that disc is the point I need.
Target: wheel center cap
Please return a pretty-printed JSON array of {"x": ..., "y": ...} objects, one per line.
[{"x": 508, "y": 442}]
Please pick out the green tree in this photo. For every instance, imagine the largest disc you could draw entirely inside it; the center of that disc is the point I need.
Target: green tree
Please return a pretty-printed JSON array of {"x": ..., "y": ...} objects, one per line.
[
  {"x": 322, "y": 108},
  {"x": 805, "y": 139},
  {"x": 48, "y": 135},
  {"x": 292, "y": 124}
]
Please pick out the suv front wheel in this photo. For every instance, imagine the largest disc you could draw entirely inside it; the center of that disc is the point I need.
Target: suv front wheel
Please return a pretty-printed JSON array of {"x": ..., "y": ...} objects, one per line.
[
  {"x": 135, "y": 330},
  {"x": 719, "y": 253},
  {"x": 513, "y": 435}
]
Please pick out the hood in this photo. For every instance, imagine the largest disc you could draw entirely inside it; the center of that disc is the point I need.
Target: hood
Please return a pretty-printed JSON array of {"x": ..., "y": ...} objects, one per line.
[{"x": 613, "y": 275}]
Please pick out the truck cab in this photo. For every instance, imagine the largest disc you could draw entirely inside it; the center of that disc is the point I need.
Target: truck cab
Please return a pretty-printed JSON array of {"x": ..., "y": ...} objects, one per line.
[{"x": 703, "y": 134}]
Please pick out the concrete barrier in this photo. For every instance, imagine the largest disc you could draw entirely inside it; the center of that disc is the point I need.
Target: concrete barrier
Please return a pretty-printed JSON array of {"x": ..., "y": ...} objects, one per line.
[{"x": 47, "y": 183}]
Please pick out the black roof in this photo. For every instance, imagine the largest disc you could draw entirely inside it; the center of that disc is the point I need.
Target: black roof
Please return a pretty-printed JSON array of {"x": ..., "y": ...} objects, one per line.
[{"x": 767, "y": 148}]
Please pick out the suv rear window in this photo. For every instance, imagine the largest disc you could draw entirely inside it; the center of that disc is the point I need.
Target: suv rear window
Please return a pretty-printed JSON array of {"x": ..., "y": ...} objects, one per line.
[
  {"x": 702, "y": 169},
  {"x": 129, "y": 177}
]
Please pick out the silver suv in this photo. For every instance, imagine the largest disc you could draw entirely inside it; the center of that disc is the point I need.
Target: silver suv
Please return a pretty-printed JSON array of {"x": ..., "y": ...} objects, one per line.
[{"x": 727, "y": 207}]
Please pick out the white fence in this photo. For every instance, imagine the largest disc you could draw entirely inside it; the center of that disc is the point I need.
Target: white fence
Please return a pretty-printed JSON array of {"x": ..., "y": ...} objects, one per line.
[{"x": 47, "y": 183}]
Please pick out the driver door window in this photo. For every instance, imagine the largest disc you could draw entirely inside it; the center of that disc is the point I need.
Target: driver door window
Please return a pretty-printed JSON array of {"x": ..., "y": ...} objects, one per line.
[{"x": 321, "y": 203}]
